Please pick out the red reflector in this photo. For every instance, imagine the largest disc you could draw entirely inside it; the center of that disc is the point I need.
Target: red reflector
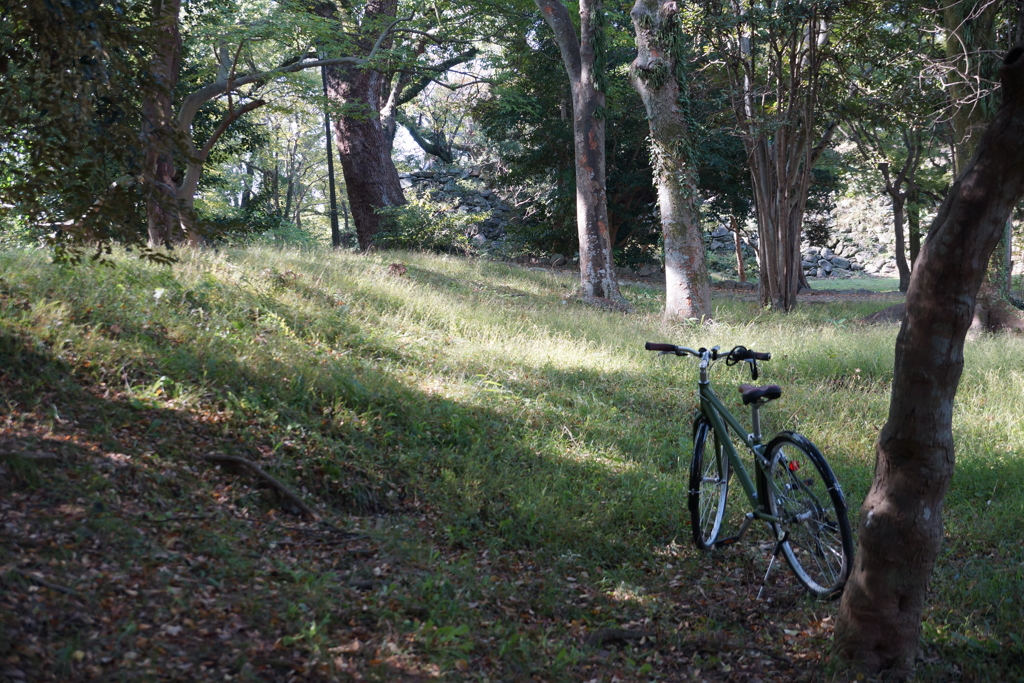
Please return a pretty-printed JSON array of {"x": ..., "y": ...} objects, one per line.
[{"x": 793, "y": 465}]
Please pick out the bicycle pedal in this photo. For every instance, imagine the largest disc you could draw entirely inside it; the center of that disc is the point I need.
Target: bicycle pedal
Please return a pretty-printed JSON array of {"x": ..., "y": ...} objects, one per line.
[{"x": 726, "y": 541}]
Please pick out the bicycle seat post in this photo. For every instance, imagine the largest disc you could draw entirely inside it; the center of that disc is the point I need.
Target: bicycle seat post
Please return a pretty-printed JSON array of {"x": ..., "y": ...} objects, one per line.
[{"x": 755, "y": 421}]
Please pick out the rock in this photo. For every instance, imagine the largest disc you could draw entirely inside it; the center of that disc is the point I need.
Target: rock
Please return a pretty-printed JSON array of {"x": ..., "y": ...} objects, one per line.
[
  {"x": 720, "y": 232},
  {"x": 805, "y": 264},
  {"x": 840, "y": 262},
  {"x": 558, "y": 260},
  {"x": 486, "y": 192},
  {"x": 827, "y": 253},
  {"x": 825, "y": 265},
  {"x": 406, "y": 183},
  {"x": 822, "y": 273},
  {"x": 648, "y": 270},
  {"x": 718, "y": 245},
  {"x": 871, "y": 269}
]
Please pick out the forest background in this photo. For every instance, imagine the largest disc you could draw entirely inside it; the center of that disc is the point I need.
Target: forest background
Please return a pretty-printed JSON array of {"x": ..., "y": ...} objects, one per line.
[{"x": 149, "y": 127}]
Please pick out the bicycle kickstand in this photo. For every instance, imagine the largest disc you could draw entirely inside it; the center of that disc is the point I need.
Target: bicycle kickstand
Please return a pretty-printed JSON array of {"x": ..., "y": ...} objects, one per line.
[{"x": 771, "y": 562}]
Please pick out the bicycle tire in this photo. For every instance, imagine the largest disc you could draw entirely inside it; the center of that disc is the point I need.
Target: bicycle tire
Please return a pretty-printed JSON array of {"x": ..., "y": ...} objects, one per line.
[
  {"x": 810, "y": 503},
  {"x": 709, "y": 484}
]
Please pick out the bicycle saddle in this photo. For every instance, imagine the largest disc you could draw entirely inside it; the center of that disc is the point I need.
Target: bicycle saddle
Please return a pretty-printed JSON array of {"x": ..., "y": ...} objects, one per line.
[{"x": 752, "y": 394}]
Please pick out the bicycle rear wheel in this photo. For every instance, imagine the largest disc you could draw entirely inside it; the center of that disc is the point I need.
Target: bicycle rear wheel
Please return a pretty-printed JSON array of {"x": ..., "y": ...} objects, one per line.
[
  {"x": 709, "y": 484},
  {"x": 800, "y": 489}
]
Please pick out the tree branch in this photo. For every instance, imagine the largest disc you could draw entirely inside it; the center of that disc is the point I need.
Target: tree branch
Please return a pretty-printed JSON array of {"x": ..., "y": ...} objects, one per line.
[
  {"x": 258, "y": 471},
  {"x": 412, "y": 90},
  {"x": 232, "y": 116},
  {"x": 435, "y": 149},
  {"x": 557, "y": 17}
]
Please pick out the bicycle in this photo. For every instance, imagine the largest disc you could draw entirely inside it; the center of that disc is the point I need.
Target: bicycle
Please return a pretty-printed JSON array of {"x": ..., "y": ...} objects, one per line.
[{"x": 804, "y": 507}]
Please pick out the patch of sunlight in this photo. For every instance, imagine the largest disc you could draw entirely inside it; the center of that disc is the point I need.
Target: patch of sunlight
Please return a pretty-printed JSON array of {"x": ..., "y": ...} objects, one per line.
[{"x": 625, "y": 592}]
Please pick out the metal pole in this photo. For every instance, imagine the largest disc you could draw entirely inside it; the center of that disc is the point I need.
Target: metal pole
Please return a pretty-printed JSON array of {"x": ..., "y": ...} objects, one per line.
[{"x": 335, "y": 232}]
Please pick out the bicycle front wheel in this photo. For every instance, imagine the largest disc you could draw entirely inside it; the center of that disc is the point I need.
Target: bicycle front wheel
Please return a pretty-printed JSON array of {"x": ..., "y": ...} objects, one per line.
[
  {"x": 800, "y": 489},
  {"x": 709, "y": 484}
]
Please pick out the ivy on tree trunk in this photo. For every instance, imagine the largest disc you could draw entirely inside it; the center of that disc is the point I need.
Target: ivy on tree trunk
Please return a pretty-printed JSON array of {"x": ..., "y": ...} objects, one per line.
[{"x": 658, "y": 75}]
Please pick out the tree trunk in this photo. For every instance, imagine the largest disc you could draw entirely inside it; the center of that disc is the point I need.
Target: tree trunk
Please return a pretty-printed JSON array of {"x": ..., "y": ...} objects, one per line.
[
  {"x": 778, "y": 230},
  {"x": 656, "y": 75},
  {"x": 777, "y": 123},
  {"x": 247, "y": 192},
  {"x": 584, "y": 62},
  {"x": 914, "y": 228},
  {"x": 740, "y": 271},
  {"x": 879, "y": 622},
  {"x": 158, "y": 128},
  {"x": 363, "y": 145},
  {"x": 898, "y": 203}
]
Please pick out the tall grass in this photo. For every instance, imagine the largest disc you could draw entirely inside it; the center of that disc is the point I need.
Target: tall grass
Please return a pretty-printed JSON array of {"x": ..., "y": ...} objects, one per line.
[{"x": 527, "y": 421}]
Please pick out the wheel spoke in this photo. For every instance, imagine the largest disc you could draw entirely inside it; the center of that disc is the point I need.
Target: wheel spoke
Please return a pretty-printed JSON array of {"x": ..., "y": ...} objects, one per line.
[{"x": 802, "y": 495}]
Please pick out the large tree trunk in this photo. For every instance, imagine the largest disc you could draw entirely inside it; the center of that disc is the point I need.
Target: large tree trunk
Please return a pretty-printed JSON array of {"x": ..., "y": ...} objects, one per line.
[
  {"x": 655, "y": 75},
  {"x": 363, "y": 145},
  {"x": 584, "y": 62},
  {"x": 158, "y": 128},
  {"x": 900, "y": 531}
]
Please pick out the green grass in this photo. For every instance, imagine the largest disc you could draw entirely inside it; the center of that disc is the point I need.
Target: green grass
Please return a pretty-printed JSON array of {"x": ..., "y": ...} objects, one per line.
[
  {"x": 525, "y": 423},
  {"x": 874, "y": 283}
]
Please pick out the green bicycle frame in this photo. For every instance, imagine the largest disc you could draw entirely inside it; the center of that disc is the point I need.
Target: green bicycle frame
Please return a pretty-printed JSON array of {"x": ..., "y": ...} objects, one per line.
[{"x": 715, "y": 411}]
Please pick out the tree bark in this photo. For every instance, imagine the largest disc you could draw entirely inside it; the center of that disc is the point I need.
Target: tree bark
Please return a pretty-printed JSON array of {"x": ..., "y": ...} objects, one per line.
[
  {"x": 902, "y": 268},
  {"x": 158, "y": 128},
  {"x": 584, "y": 62},
  {"x": 740, "y": 271},
  {"x": 914, "y": 227},
  {"x": 900, "y": 533},
  {"x": 656, "y": 74},
  {"x": 363, "y": 144},
  {"x": 777, "y": 123}
]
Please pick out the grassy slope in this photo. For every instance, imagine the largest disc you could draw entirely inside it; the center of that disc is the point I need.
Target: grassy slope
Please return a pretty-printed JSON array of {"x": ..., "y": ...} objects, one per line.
[{"x": 503, "y": 448}]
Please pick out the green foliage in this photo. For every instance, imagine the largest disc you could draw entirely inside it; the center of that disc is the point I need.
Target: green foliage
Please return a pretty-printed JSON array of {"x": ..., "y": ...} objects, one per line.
[
  {"x": 69, "y": 121},
  {"x": 429, "y": 226},
  {"x": 527, "y": 119}
]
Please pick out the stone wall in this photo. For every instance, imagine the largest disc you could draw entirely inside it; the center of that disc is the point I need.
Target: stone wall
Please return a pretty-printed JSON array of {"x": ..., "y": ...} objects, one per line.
[
  {"x": 862, "y": 238},
  {"x": 468, "y": 192}
]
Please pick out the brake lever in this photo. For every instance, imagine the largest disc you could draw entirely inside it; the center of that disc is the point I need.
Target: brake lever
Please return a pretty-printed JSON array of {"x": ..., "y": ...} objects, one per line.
[{"x": 753, "y": 369}]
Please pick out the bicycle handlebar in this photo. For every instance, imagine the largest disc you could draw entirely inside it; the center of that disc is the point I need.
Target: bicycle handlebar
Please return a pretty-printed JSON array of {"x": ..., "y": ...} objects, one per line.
[
  {"x": 736, "y": 355},
  {"x": 741, "y": 353}
]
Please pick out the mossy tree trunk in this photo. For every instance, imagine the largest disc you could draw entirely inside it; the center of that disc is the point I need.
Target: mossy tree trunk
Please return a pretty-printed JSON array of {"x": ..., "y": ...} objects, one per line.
[{"x": 658, "y": 75}]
